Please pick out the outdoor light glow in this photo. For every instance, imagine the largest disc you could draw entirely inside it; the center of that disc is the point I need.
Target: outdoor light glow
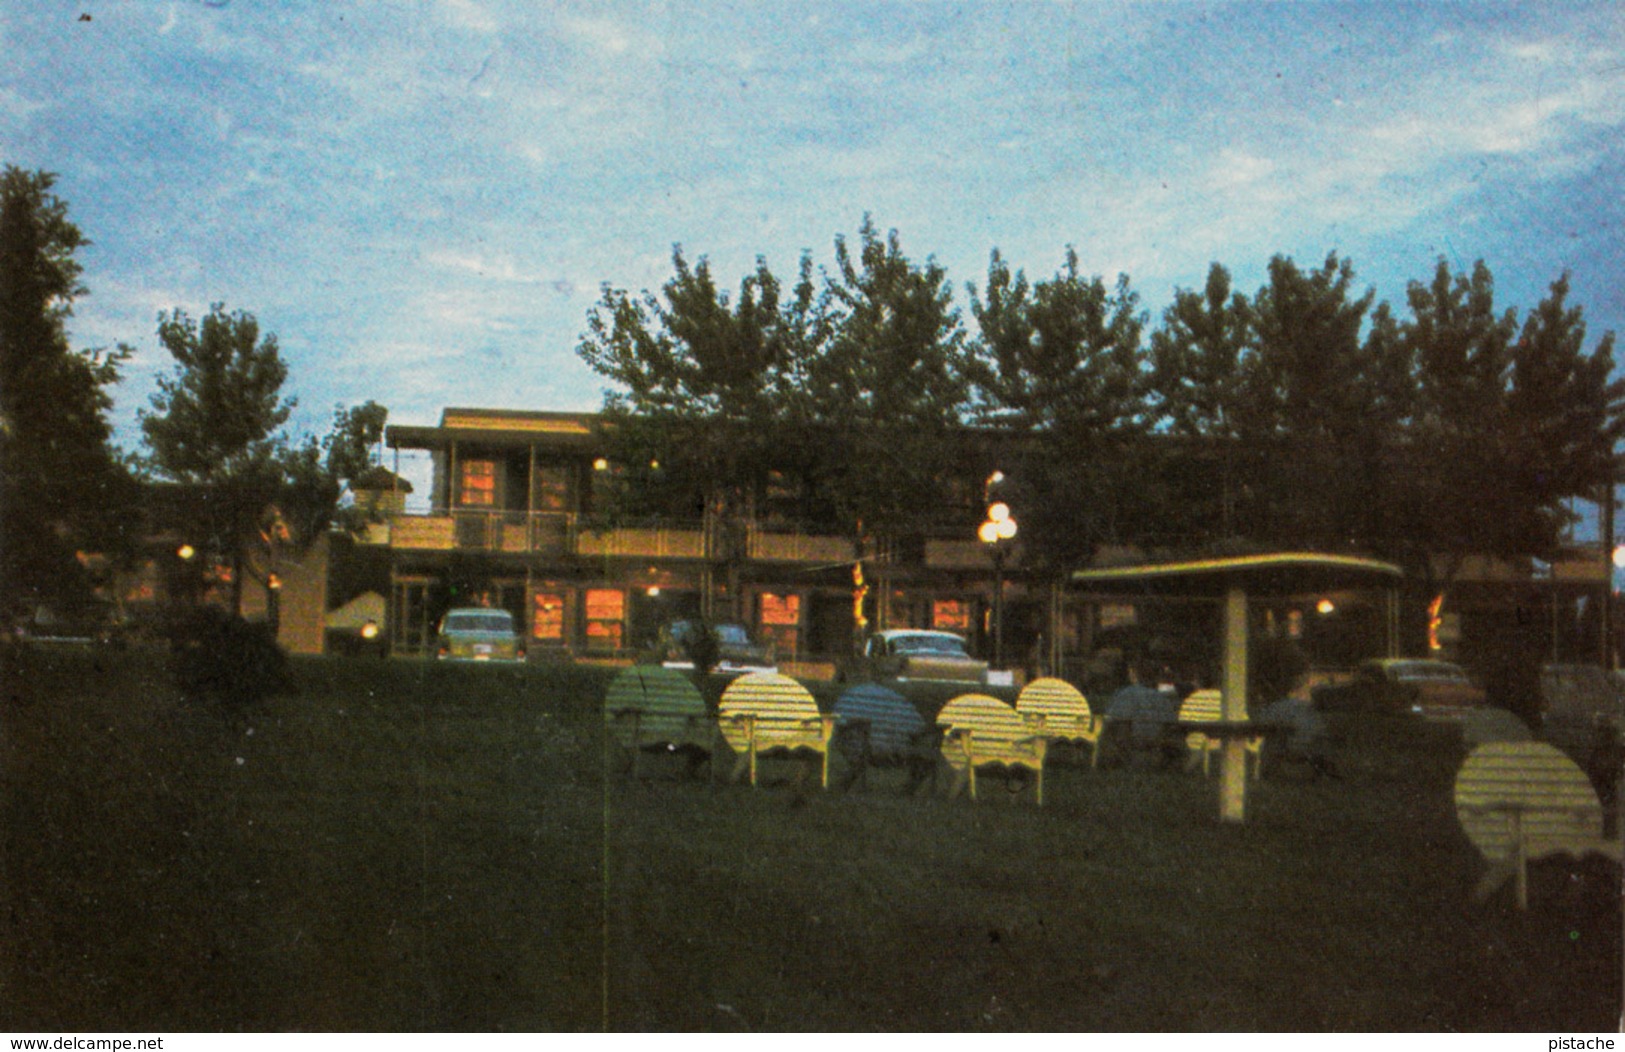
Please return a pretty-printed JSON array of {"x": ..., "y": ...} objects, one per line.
[
  {"x": 995, "y": 478},
  {"x": 186, "y": 551},
  {"x": 601, "y": 464},
  {"x": 1435, "y": 620},
  {"x": 988, "y": 532},
  {"x": 1619, "y": 556},
  {"x": 653, "y": 591},
  {"x": 1005, "y": 528},
  {"x": 998, "y": 512},
  {"x": 1325, "y": 606},
  {"x": 273, "y": 581},
  {"x": 369, "y": 630}
]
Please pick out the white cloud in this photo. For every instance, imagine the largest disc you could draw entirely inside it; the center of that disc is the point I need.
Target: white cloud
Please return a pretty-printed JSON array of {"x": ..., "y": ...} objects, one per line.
[{"x": 466, "y": 14}]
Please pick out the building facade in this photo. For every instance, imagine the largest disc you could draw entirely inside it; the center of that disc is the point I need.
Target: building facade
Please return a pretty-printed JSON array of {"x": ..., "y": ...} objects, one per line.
[{"x": 517, "y": 519}]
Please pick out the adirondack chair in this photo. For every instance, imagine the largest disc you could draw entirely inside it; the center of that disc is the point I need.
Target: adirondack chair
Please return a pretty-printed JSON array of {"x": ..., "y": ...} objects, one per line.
[
  {"x": 1524, "y": 800},
  {"x": 1208, "y": 706},
  {"x": 763, "y": 712},
  {"x": 1063, "y": 713},
  {"x": 876, "y": 726},
  {"x": 648, "y": 707},
  {"x": 982, "y": 731}
]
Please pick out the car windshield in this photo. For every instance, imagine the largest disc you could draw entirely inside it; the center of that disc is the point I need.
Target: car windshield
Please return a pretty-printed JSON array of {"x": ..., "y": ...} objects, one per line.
[
  {"x": 929, "y": 645},
  {"x": 1414, "y": 671},
  {"x": 494, "y": 621},
  {"x": 733, "y": 634}
]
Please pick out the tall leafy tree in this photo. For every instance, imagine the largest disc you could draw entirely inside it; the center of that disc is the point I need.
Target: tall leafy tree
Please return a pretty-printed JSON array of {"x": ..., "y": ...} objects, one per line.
[
  {"x": 1317, "y": 394},
  {"x": 888, "y": 386},
  {"x": 62, "y": 489},
  {"x": 701, "y": 378},
  {"x": 1565, "y": 412},
  {"x": 216, "y": 425},
  {"x": 1064, "y": 362},
  {"x": 1198, "y": 355},
  {"x": 1457, "y": 448}
]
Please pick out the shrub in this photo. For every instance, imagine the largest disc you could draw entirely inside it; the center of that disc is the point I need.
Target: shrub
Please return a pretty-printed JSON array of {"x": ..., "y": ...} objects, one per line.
[{"x": 215, "y": 656}]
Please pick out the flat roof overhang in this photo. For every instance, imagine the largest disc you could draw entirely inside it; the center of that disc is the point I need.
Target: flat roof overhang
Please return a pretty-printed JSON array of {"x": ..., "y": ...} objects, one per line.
[
  {"x": 442, "y": 438},
  {"x": 1270, "y": 573},
  {"x": 1233, "y": 579}
]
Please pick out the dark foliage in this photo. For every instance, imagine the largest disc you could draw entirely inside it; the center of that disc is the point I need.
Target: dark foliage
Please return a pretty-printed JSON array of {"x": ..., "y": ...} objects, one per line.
[
  {"x": 222, "y": 659},
  {"x": 62, "y": 490}
]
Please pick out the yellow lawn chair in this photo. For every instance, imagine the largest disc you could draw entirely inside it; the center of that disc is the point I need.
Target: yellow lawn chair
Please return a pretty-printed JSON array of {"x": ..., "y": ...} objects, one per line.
[
  {"x": 980, "y": 731},
  {"x": 763, "y": 712},
  {"x": 1523, "y": 800},
  {"x": 1063, "y": 713},
  {"x": 1208, "y": 706}
]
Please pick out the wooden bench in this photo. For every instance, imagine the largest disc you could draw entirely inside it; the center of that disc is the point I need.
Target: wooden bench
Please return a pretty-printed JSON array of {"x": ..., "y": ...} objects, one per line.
[
  {"x": 1207, "y": 706},
  {"x": 1524, "y": 800},
  {"x": 1063, "y": 714},
  {"x": 981, "y": 731},
  {"x": 877, "y": 727},
  {"x": 648, "y": 707},
  {"x": 762, "y": 712}
]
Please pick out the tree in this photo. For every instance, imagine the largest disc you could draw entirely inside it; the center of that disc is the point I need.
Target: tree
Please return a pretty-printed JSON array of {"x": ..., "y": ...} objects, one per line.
[
  {"x": 1064, "y": 361},
  {"x": 1319, "y": 399},
  {"x": 1198, "y": 387},
  {"x": 889, "y": 385},
  {"x": 1565, "y": 414},
  {"x": 703, "y": 380},
  {"x": 63, "y": 491},
  {"x": 215, "y": 424}
]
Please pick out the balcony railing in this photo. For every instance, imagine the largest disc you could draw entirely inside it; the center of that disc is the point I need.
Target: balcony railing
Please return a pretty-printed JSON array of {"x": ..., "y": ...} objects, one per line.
[
  {"x": 565, "y": 533},
  {"x": 546, "y": 533}
]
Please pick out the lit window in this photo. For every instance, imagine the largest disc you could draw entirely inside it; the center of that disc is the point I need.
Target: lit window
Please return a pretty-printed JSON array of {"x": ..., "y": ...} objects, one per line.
[
  {"x": 781, "y": 621},
  {"x": 951, "y": 614},
  {"x": 606, "y": 618},
  {"x": 479, "y": 488},
  {"x": 547, "y": 624}
]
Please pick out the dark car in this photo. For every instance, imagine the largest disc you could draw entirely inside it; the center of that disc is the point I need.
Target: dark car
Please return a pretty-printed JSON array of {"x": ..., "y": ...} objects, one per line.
[
  {"x": 1583, "y": 711},
  {"x": 736, "y": 652},
  {"x": 1432, "y": 689},
  {"x": 914, "y": 654},
  {"x": 94, "y": 625}
]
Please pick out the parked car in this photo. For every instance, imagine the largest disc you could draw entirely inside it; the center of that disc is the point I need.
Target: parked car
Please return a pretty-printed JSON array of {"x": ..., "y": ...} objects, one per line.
[
  {"x": 1435, "y": 690},
  {"x": 736, "y": 654},
  {"x": 94, "y": 625},
  {"x": 1583, "y": 713},
  {"x": 478, "y": 633},
  {"x": 906, "y": 654}
]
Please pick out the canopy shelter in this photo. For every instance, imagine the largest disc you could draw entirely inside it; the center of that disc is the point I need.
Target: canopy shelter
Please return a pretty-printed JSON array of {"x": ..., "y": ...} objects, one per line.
[{"x": 1233, "y": 580}]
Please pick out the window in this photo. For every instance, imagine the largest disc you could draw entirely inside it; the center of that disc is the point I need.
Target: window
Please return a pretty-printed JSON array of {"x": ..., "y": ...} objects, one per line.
[
  {"x": 547, "y": 620},
  {"x": 606, "y": 618},
  {"x": 781, "y": 621},
  {"x": 552, "y": 488},
  {"x": 952, "y": 614},
  {"x": 479, "y": 484}
]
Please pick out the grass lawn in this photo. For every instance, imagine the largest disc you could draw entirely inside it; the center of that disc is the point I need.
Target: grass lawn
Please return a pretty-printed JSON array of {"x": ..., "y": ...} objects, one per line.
[{"x": 404, "y": 846}]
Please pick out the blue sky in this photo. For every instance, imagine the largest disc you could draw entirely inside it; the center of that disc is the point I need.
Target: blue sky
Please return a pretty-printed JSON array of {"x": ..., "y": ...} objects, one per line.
[{"x": 423, "y": 200}]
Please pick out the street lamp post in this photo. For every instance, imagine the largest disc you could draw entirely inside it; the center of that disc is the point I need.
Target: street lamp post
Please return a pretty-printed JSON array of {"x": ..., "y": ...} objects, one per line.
[{"x": 996, "y": 531}]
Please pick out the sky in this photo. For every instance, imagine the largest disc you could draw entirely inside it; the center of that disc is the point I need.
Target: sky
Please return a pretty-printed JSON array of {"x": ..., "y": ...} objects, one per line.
[{"x": 423, "y": 201}]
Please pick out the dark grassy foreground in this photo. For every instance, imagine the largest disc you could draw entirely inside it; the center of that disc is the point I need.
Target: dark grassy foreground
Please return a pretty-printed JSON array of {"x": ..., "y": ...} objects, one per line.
[{"x": 403, "y": 846}]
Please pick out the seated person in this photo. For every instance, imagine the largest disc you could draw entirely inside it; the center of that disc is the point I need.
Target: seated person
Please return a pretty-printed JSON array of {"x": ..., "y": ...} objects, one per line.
[
  {"x": 1303, "y": 735},
  {"x": 1147, "y": 715}
]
